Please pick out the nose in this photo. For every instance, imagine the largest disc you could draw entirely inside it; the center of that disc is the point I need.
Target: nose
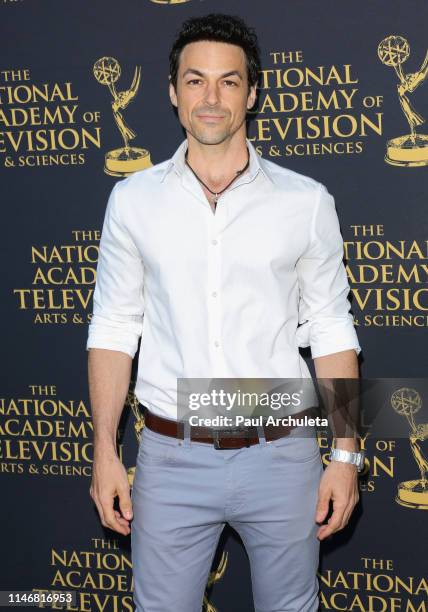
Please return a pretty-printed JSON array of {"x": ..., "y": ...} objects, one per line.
[{"x": 211, "y": 94}]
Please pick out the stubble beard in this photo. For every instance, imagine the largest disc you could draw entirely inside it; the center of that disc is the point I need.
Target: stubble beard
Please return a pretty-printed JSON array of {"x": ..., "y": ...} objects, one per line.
[{"x": 212, "y": 136}]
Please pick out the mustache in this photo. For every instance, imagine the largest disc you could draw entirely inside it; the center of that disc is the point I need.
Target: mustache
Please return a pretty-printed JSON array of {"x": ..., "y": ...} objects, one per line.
[{"x": 210, "y": 111}]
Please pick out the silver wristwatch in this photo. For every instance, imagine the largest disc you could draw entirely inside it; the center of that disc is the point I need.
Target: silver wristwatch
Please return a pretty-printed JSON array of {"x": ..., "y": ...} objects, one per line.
[{"x": 357, "y": 458}]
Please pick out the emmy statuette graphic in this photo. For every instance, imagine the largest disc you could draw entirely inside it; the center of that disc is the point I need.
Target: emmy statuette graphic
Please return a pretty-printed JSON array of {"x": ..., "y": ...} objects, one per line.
[
  {"x": 127, "y": 159},
  {"x": 214, "y": 576},
  {"x": 133, "y": 403},
  {"x": 413, "y": 493},
  {"x": 410, "y": 149},
  {"x": 212, "y": 579}
]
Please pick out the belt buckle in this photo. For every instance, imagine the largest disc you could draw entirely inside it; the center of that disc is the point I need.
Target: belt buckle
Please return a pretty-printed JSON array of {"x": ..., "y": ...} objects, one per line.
[{"x": 217, "y": 432}]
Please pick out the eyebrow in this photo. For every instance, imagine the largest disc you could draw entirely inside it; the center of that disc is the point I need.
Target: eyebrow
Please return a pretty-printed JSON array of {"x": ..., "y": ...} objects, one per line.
[{"x": 226, "y": 74}]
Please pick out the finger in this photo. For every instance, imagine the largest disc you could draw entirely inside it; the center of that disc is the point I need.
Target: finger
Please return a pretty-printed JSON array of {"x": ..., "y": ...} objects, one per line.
[
  {"x": 110, "y": 517},
  {"x": 345, "y": 519},
  {"x": 349, "y": 511},
  {"x": 99, "y": 508},
  {"x": 322, "y": 506},
  {"x": 333, "y": 523},
  {"x": 125, "y": 503},
  {"x": 95, "y": 498},
  {"x": 340, "y": 517},
  {"x": 117, "y": 525},
  {"x": 121, "y": 519},
  {"x": 325, "y": 531}
]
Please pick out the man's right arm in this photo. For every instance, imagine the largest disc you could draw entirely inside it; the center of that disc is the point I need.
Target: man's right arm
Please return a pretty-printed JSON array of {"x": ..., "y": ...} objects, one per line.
[
  {"x": 114, "y": 331},
  {"x": 109, "y": 375}
]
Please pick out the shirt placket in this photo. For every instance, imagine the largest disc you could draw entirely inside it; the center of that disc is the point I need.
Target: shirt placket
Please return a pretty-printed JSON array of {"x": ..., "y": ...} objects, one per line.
[
  {"x": 216, "y": 224},
  {"x": 215, "y": 235}
]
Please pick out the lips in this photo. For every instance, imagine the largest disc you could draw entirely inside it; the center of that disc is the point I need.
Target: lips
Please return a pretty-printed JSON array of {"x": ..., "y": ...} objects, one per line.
[{"x": 210, "y": 118}]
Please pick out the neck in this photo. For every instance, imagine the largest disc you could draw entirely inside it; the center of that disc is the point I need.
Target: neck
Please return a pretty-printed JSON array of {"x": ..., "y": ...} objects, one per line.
[{"x": 216, "y": 164}]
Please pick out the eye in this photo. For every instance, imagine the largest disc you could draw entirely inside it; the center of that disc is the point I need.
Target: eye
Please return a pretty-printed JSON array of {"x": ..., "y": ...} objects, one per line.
[
  {"x": 233, "y": 83},
  {"x": 193, "y": 81}
]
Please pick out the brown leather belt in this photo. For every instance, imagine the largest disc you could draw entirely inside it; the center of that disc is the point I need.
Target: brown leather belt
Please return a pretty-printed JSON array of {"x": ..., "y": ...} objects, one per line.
[{"x": 221, "y": 439}]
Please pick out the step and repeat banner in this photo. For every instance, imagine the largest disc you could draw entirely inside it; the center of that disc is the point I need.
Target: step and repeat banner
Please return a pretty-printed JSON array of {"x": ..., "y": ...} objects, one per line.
[{"x": 83, "y": 102}]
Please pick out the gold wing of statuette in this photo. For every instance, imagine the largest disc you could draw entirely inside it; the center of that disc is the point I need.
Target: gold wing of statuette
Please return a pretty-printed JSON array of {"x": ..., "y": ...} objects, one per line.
[
  {"x": 123, "y": 98},
  {"x": 413, "y": 80}
]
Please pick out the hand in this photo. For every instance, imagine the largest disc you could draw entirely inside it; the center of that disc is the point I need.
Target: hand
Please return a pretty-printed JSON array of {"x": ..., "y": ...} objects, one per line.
[
  {"x": 109, "y": 478},
  {"x": 339, "y": 483}
]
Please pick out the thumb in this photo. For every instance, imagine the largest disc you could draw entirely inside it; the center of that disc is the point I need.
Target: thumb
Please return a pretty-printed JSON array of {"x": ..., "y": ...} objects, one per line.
[{"x": 125, "y": 504}]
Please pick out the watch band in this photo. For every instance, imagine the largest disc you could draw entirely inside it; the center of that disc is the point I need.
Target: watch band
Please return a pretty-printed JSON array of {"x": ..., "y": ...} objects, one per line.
[{"x": 356, "y": 458}]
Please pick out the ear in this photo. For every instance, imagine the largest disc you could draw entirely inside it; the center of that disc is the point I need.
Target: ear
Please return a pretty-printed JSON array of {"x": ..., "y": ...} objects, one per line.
[
  {"x": 172, "y": 93},
  {"x": 251, "y": 97}
]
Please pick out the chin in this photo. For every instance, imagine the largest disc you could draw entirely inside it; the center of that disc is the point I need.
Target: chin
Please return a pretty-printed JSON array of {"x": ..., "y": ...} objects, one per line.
[{"x": 210, "y": 138}]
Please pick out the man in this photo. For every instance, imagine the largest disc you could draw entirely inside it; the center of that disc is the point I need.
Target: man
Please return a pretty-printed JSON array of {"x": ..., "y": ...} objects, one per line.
[{"x": 213, "y": 257}]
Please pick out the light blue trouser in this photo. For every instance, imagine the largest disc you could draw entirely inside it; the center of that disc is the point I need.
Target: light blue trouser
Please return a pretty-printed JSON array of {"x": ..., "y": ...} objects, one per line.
[{"x": 183, "y": 494}]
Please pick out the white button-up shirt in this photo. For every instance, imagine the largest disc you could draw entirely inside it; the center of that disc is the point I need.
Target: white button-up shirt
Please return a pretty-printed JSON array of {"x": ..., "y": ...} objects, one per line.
[{"x": 219, "y": 295}]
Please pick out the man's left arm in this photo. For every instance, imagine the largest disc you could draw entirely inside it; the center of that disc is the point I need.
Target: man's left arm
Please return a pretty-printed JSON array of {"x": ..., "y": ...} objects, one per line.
[
  {"x": 339, "y": 481},
  {"x": 328, "y": 328}
]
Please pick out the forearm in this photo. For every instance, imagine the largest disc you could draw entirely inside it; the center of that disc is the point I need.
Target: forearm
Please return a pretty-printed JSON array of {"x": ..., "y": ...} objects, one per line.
[
  {"x": 343, "y": 364},
  {"x": 109, "y": 374}
]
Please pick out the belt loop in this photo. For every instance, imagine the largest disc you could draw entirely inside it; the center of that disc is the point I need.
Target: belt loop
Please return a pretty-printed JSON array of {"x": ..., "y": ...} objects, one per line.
[{"x": 261, "y": 433}]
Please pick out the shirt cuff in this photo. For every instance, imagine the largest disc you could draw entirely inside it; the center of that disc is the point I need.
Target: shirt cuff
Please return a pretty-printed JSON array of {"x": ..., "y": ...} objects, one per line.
[
  {"x": 114, "y": 335},
  {"x": 328, "y": 335}
]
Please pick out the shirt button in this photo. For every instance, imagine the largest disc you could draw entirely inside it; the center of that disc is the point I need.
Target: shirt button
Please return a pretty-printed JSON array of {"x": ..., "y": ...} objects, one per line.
[
  {"x": 214, "y": 242},
  {"x": 216, "y": 343},
  {"x": 214, "y": 293}
]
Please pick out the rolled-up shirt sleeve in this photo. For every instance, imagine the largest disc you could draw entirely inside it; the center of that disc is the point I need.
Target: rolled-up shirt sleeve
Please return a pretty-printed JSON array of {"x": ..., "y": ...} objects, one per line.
[
  {"x": 327, "y": 325},
  {"x": 118, "y": 302}
]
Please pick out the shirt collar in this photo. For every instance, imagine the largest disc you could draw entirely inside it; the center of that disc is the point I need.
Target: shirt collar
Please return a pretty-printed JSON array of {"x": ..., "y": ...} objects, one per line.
[{"x": 257, "y": 163}]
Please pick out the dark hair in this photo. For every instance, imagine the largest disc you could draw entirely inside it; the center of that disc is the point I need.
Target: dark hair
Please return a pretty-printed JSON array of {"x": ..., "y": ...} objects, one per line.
[{"x": 221, "y": 28}]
